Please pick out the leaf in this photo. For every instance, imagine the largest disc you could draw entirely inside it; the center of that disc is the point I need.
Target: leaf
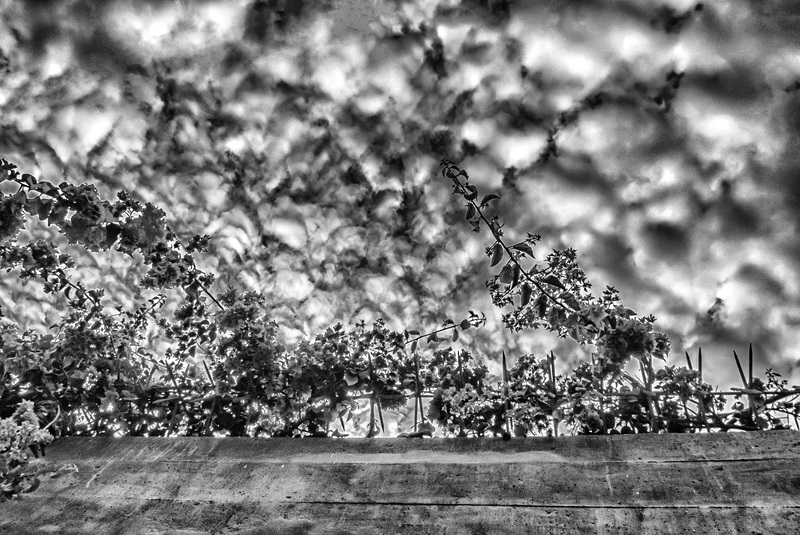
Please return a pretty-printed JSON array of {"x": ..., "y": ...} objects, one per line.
[
  {"x": 525, "y": 294},
  {"x": 33, "y": 486},
  {"x": 541, "y": 306},
  {"x": 350, "y": 378},
  {"x": 553, "y": 281},
  {"x": 433, "y": 338},
  {"x": 570, "y": 299},
  {"x": 413, "y": 346},
  {"x": 29, "y": 180},
  {"x": 507, "y": 274},
  {"x": 414, "y": 332},
  {"x": 524, "y": 248},
  {"x": 58, "y": 214},
  {"x": 78, "y": 228},
  {"x": 472, "y": 192},
  {"x": 470, "y": 212},
  {"x": 45, "y": 205},
  {"x": 497, "y": 253},
  {"x": 39, "y": 206},
  {"x": 45, "y": 188},
  {"x": 515, "y": 277},
  {"x": 455, "y": 335},
  {"x": 487, "y": 198},
  {"x": 465, "y": 324}
]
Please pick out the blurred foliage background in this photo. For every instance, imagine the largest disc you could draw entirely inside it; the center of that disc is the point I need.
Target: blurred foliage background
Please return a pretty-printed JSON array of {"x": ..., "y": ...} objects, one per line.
[{"x": 659, "y": 140}]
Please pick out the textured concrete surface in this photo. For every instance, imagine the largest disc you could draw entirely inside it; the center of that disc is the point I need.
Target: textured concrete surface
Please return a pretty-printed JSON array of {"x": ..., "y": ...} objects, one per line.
[{"x": 719, "y": 483}]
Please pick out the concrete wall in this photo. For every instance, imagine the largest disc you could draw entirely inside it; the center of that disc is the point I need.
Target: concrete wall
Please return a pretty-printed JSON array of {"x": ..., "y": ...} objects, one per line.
[{"x": 719, "y": 483}]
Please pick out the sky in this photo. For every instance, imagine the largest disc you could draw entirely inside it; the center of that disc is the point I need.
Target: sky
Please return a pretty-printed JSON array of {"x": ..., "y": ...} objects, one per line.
[{"x": 305, "y": 138}]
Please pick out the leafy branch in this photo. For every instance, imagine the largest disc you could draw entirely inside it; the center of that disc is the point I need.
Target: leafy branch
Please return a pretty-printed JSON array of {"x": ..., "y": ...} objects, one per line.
[
  {"x": 474, "y": 320},
  {"x": 475, "y": 214},
  {"x": 614, "y": 328}
]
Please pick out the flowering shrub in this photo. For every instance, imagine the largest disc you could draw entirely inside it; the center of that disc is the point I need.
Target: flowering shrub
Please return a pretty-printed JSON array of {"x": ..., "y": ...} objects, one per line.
[{"x": 225, "y": 372}]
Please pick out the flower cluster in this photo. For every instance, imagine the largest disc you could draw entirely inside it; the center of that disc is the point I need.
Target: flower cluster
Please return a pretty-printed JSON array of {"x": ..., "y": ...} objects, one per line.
[{"x": 19, "y": 433}]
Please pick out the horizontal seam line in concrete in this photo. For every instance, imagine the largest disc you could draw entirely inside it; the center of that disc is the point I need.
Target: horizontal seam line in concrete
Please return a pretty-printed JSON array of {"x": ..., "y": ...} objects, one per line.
[
  {"x": 554, "y": 505},
  {"x": 470, "y": 461}
]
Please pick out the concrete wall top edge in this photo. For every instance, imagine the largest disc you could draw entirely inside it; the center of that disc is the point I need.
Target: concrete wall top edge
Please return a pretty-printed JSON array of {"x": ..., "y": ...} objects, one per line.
[{"x": 630, "y": 448}]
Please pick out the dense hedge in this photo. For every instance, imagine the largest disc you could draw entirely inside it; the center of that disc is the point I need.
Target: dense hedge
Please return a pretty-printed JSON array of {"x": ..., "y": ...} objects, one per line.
[{"x": 225, "y": 372}]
